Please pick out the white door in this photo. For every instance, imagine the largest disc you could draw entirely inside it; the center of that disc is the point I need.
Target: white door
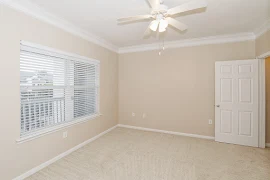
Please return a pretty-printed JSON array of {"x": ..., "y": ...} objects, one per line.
[{"x": 236, "y": 102}]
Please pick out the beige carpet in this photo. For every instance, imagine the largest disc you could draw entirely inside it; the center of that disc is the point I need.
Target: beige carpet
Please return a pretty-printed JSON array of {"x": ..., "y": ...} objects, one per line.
[{"x": 125, "y": 154}]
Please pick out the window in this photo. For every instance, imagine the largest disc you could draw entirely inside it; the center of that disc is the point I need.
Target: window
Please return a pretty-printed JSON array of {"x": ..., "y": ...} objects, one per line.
[{"x": 57, "y": 89}]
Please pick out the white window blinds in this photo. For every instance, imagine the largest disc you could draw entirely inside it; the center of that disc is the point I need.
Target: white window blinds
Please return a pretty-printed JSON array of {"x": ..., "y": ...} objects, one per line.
[{"x": 56, "y": 88}]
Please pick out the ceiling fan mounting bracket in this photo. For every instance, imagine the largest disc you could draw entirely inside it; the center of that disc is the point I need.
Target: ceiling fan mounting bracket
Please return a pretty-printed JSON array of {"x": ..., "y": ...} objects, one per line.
[{"x": 162, "y": 9}]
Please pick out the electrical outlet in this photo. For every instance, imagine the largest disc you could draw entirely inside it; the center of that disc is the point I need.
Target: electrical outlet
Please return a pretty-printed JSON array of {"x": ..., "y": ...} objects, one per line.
[
  {"x": 210, "y": 121},
  {"x": 144, "y": 115},
  {"x": 133, "y": 114},
  {"x": 65, "y": 134}
]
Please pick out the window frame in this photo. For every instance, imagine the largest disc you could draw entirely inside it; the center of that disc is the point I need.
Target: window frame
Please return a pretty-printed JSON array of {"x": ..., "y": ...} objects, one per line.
[{"x": 68, "y": 56}]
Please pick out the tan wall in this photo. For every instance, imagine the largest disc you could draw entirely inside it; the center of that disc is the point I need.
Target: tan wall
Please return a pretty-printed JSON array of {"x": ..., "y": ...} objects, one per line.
[
  {"x": 267, "y": 86},
  {"x": 16, "y": 159},
  {"x": 176, "y": 89},
  {"x": 263, "y": 44}
]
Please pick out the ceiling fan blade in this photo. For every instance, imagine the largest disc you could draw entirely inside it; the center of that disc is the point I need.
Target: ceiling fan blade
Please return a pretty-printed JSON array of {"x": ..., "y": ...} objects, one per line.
[
  {"x": 147, "y": 32},
  {"x": 134, "y": 18},
  {"x": 195, "y": 4},
  {"x": 154, "y": 3},
  {"x": 176, "y": 24}
]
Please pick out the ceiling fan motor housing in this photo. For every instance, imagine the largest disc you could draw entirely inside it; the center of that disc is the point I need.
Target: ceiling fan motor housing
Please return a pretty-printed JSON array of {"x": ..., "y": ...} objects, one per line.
[{"x": 162, "y": 9}]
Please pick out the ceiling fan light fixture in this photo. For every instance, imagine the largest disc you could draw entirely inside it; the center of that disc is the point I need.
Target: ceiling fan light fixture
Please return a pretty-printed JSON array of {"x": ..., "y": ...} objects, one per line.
[
  {"x": 163, "y": 24},
  {"x": 161, "y": 30},
  {"x": 154, "y": 25}
]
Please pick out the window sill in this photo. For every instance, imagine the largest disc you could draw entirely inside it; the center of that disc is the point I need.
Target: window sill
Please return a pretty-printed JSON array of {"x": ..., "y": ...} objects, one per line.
[{"x": 50, "y": 130}]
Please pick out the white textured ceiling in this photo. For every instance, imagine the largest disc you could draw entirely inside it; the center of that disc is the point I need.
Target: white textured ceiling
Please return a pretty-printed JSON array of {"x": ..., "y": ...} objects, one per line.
[{"x": 99, "y": 17}]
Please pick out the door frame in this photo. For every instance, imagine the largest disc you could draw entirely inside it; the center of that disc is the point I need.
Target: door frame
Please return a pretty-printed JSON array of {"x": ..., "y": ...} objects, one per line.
[{"x": 262, "y": 100}]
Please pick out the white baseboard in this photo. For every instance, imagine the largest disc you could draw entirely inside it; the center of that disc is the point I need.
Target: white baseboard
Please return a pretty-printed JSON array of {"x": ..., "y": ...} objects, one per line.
[
  {"x": 47, "y": 163},
  {"x": 267, "y": 145},
  {"x": 167, "y": 132}
]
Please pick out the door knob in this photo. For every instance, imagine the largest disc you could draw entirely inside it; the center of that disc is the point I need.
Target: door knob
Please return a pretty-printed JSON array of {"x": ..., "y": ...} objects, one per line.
[{"x": 218, "y": 106}]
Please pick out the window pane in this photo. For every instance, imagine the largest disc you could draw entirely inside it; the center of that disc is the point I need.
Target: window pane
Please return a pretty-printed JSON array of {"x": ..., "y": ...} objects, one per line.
[
  {"x": 55, "y": 89},
  {"x": 85, "y": 90}
]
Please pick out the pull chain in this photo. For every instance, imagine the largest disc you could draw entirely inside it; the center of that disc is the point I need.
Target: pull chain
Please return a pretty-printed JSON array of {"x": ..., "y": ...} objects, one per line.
[
  {"x": 163, "y": 45},
  {"x": 161, "y": 48}
]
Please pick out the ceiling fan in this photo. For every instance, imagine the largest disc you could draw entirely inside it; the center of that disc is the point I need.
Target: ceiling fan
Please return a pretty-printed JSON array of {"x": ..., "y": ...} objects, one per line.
[{"x": 161, "y": 16}]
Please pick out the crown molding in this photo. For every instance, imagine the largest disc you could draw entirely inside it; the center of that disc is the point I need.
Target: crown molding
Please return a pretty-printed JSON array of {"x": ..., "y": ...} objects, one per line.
[
  {"x": 35, "y": 11},
  {"x": 191, "y": 42},
  {"x": 262, "y": 29}
]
